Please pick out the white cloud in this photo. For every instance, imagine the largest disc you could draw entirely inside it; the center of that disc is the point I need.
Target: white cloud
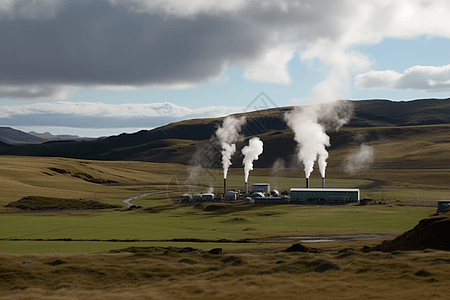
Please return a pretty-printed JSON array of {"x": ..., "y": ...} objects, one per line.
[
  {"x": 272, "y": 66},
  {"x": 422, "y": 78},
  {"x": 98, "y": 109}
]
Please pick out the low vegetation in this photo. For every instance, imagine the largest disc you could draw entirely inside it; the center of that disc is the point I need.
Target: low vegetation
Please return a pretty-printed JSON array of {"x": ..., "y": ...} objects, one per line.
[
  {"x": 48, "y": 203},
  {"x": 189, "y": 273}
]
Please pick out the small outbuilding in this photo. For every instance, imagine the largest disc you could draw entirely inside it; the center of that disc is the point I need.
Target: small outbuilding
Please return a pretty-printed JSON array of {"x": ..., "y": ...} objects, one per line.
[
  {"x": 443, "y": 206},
  {"x": 261, "y": 188},
  {"x": 186, "y": 198},
  {"x": 207, "y": 197},
  {"x": 231, "y": 196}
]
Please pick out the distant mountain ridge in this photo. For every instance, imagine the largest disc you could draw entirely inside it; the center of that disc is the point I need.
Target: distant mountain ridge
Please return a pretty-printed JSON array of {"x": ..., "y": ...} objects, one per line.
[
  {"x": 13, "y": 136},
  {"x": 59, "y": 137},
  {"x": 181, "y": 142}
]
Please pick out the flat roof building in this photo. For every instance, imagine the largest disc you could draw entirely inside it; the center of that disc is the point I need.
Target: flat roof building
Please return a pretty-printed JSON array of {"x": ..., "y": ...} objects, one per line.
[{"x": 324, "y": 196}]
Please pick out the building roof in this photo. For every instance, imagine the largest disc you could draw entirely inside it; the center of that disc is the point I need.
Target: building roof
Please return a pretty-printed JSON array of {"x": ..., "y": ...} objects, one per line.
[{"x": 322, "y": 190}]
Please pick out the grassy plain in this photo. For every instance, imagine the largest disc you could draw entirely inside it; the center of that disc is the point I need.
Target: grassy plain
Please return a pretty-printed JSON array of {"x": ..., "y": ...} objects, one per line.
[
  {"x": 185, "y": 222},
  {"x": 163, "y": 220},
  {"x": 63, "y": 255}
]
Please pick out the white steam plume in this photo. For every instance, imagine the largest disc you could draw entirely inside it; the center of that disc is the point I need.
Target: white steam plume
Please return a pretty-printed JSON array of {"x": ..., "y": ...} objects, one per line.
[
  {"x": 358, "y": 160},
  {"x": 309, "y": 125},
  {"x": 228, "y": 134},
  {"x": 251, "y": 153}
]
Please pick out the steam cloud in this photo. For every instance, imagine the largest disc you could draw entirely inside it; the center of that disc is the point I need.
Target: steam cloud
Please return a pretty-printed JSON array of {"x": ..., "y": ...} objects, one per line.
[
  {"x": 251, "y": 153},
  {"x": 277, "y": 166},
  {"x": 309, "y": 125},
  {"x": 228, "y": 134},
  {"x": 361, "y": 159}
]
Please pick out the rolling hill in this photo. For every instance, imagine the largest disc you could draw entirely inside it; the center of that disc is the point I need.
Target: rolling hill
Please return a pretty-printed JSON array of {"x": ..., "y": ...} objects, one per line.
[{"x": 189, "y": 142}]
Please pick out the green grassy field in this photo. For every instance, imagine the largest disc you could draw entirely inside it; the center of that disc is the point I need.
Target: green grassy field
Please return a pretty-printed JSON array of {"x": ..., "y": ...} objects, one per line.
[{"x": 231, "y": 223}]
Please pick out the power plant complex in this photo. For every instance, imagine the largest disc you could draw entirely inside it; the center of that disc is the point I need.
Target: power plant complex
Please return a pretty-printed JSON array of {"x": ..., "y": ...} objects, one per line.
[
  {"x": 310, "y": 150},
  {"x": 262, "y": 194}
]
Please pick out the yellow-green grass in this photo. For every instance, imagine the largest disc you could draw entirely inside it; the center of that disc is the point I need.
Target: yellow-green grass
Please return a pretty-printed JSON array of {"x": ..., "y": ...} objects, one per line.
[
  {"x": 232, "y": 223},
  {"x": 250, "y": 274},
  {"x": 419, "y": 160},
  {"x": 35, "y": 176}
]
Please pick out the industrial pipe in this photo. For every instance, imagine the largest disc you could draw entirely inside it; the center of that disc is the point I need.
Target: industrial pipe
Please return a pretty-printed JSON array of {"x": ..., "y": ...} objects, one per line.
[
  {"x": 323, "y": 183},
  {"x": 307, "y": 183},
  {"x": 224, "y": 186},
  {"x": 246, "y": 188}
]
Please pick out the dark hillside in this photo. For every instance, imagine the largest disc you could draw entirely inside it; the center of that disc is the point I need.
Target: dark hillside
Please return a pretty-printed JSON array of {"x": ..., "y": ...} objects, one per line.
[
  {"x": 403, "y": 113},
  {"x": 373, "y": 120},
  {"x": 5, "y": 146}
]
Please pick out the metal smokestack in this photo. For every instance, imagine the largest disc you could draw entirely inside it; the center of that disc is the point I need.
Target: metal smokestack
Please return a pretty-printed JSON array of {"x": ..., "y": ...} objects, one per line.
[
  {"x": 246, "y": 188},
  {"x": 307, "y": 183},
  {"x": 323, "y": 183},
  {"x": 224, "y": 186}
]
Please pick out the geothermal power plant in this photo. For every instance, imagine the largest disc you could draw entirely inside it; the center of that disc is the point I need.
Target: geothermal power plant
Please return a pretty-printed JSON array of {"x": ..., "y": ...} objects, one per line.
[
  {"x": 228, "y": 135},
  {"x": 261, "y": 193}
]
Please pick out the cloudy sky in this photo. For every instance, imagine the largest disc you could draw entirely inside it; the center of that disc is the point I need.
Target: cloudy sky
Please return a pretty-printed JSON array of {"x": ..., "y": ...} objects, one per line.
[{"x": 102, "y": 67}]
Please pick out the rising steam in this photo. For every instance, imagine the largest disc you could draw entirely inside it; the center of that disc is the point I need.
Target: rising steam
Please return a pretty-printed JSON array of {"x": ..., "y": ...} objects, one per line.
[
  {"x": 251, "y": 153},
  {"x": 228, "y": 134},
  {"x": 361, "y": 159},
  {"x": 309, "y": 125}
]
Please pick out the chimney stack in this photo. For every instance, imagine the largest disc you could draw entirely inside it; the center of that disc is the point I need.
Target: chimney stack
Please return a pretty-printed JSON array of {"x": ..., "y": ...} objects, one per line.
[
  {"x": 323, "y": 183},
  {"x": 307, "y": 183},
  {"x": 224, "y": 186},
  {"x": 246, "y": 188}
]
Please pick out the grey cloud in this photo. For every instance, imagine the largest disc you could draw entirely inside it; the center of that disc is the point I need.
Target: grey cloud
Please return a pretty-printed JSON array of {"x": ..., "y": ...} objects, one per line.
[
  {"x": 29, "y": 9},
  {"x": 82, "y": 42},
  {"x": 91, "y": 42},
  {"x": 36, "y": 91}
]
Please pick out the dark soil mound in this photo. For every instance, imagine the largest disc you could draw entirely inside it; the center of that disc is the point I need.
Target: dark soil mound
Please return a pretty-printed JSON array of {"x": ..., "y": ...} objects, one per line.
[
  {"x": 49, "y": 203},
  {"x": 326, "y": 266},
  {"x": 213, "y": 208},
  {"x": 215, "y": 251},
  {"x": 154, "y": 249},
  {"x": 233, "y": 261},
  {"x": 57, "y": 262},
  {"x": 301, "y": 248},
  {"x": 428, "y": 234}
]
